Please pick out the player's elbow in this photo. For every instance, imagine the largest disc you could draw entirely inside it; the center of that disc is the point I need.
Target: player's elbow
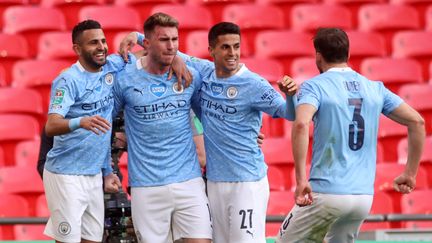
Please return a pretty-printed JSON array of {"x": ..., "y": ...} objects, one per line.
[
  {"x": 301, "y": 126},
  {"x": 417, "y": 123},
  {"x": 49, "y": 131}
]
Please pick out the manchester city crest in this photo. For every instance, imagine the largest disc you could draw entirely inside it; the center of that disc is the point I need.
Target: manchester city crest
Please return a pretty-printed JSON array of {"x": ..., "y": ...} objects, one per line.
[
  {"x": 64, "y": 228},
  {"x": 109, "y": 78},
  {"x": 176, "y": 88},
  {"x": 232, "y": 92}
]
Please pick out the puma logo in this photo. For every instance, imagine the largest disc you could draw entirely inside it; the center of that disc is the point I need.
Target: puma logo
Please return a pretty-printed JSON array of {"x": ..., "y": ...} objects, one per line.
[
  {"x": 139, "y": 91},
  {"x": 249, "y": 232}
]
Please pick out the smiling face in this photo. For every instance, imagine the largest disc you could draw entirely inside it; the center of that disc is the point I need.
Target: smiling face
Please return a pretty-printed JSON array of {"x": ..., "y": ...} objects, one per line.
[
  {"x": 226, "y": 55},
  {"x": 162, "y": 45},
  {"x": 92, "y": 49}
]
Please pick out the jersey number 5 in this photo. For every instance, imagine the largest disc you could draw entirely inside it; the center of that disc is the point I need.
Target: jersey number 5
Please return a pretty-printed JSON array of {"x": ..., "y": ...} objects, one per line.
[{"x": 356, "y": 127}]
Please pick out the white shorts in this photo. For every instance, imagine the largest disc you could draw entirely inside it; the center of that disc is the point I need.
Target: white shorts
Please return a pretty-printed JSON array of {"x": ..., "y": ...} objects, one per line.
[
  {"x": 180, "y": 207},
  {"x": 239, "y": 210},
  {"x": 76, "y": 206},
  {"x": 335, "y": 218}
]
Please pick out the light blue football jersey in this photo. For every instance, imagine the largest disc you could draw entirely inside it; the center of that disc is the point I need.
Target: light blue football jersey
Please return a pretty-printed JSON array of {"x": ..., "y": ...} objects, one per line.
[
  {"x": 78, "y": 93},
  {"x": 157, "y": 123},
  {"x": 345, "y": 129},
  {"x": 231, "y": 114}
]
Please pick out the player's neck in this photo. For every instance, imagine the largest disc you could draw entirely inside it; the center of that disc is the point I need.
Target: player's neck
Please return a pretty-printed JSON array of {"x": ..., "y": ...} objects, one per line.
[
  {"x": 328, "y": 66},
  {"x": 223, "y": 73},
  {"x": 153, "y": 67},
  {"x": 89, "y": 68}
]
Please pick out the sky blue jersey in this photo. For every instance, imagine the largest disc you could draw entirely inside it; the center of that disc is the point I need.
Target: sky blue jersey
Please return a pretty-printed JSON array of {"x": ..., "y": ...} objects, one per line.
[
  {"x": 231, "y": 114},
  {"x": 157, "y": 123},
  {"x": 345, "y": 129},
  {"x": 78, "y": 93}
]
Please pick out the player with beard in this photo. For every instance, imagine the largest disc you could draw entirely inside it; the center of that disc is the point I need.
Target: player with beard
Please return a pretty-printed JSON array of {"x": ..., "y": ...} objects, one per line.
[
  {"x": 81, "y": 97},
  {"x": 167, "y": 190}
]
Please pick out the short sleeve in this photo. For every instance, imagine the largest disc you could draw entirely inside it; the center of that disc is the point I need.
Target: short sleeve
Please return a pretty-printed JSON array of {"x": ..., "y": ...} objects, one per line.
[
  {"x": 391, "y": 101},
  {"x": 309, "y": 94},
  {"x": 63, "y": 92}
]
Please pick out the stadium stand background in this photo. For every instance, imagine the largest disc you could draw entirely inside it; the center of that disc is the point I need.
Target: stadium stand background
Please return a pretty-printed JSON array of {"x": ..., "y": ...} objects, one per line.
[{"x": 391, "y": 40}]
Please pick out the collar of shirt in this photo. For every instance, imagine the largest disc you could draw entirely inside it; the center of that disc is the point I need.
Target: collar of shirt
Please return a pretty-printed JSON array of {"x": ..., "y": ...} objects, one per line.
[{"x": 340, "y": 69}]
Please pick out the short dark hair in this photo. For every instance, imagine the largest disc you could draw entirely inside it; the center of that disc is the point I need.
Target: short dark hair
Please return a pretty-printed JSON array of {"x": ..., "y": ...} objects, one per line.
[
  {"x": 158, "y": 19},
  {"x": 88, "y": 24},
  {"x": 333, "y": 44},
  {"x": 222, "y": 28}
]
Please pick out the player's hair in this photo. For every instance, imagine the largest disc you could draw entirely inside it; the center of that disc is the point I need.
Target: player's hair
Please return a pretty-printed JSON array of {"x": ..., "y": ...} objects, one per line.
[
  {"x": 88, "y": 24},
  {"x": 333, "y": 44},
  {"x": 158, "y": 19},
  {"x": 222, "y": 28}
]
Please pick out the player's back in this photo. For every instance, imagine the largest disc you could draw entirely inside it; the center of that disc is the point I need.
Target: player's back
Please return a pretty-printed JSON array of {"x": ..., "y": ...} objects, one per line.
[{"x": 345, "y": 129}]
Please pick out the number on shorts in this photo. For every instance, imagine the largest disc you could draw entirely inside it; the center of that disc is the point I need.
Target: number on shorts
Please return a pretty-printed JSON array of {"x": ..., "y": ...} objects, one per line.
[
  {"x": 355, "y": 141},
  {"x": 243, "y": 213},
  {"x": 286, "y": 222}
]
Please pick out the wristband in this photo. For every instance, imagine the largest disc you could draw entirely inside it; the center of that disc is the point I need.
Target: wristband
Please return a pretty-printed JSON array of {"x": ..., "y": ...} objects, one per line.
[
  {"x": 74, "y": 123},
  {"x": 140, "y": 38}
]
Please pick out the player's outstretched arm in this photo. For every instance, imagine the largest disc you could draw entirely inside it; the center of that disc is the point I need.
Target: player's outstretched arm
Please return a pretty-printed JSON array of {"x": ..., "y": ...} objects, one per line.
[
  {"x": 409, "y": 117},
  {"x": 287, "y": 85},
  {"x": 179, "y": 68},
  {"x": 300, "y": 143},
  {"x": 58, "y": 125}
]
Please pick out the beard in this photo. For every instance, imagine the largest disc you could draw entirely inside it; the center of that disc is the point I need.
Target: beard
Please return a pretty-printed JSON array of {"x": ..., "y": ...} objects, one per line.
[{"x": 92, "y": 61}]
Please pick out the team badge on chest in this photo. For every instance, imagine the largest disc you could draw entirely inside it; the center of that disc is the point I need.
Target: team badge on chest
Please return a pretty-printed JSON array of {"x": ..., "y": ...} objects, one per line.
[
  {"x": 176, "y": 88},
  {"x": 232, "y": 92},
  {"x": 109, "y": 78},
  {"x": 158, "y": 89}
]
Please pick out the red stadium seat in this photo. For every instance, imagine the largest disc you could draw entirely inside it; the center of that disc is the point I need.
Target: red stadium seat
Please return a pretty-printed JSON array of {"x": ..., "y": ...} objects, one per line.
[
  {"x": 190, "y": 18},
  {"x": 56, "y": 46},
  {"x": 24, "y": 181},
  {"x": 7, "y": 3},
  {"x": 27, "y": 153},
  {"x": 30, "y": 232},
  {"x": 273, "y": 127},
  {"x": 276, "y": 178},
  {"x": 387, "y": 172},
  {"x": 42, "y": 207},
  {"x": 13, "y": 129},
  {"x": 2, "y": 76},
  {"x": 143, "y": 7},
  {"x": 417, "y": 202},
  {"x": 303, "y": 68},
  {"x": 280, "y": 203},
  {"x": 253, "y": 18},
  {"x": 382, "y": 204},
  {"x": 428, "y": 19},
  {"x": 22, "y": 101},
  {"x": 70, "y": 9},
  {"x": 353, "y": 6},
  {"x": 309, "y": 17},
  {"x": 113, "y": 19},
  {"x": 11, "y": 206},
  {"x": 387, "y": 19},
  {"x": 364, "y": 45},
  {"x": 393, "y": 72},
  {"x": 389, "y": 135},
  {"x": 197, "y": 44},
  {"x": 415, "y": 95},
  {"x": 12, "y": 49},
  {"x": 277, "y": 151},
  {"x": 426, "y": 157},
  {"x": 414, "y": 44},
  {"x": 2, "y": 158},
  {"x": 34, "y": 74},
  {"x": 420, "y": 6},
  {"x": 216, "y": 7},
  {"x": 286, "y": 6},
  {"x": 268, "y": 44},
  {"x": 380, "y": 152},
  {"x": 16, "y": 21},
  {"x": 270, "y": 69}
]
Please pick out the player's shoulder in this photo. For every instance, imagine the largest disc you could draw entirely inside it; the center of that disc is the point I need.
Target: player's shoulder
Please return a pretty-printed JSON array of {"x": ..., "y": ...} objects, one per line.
[
  {"x": 69, "y": 75},
  {"x": 247, "y": 74}
]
